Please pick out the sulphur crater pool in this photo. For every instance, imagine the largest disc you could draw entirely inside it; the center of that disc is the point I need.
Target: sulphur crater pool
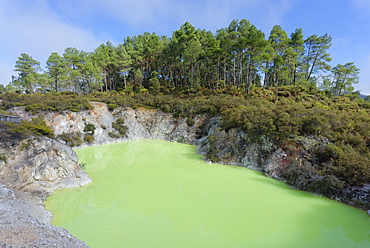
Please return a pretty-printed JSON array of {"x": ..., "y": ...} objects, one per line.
[{"x": 152, "y": 193}]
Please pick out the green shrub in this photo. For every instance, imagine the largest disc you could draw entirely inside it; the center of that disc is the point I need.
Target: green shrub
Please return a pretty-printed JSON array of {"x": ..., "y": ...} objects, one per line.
[
  {"x": 72, "y": 139},
  {"x": 214, "y": 150},
  {"x": 190, "y": 121},
  {"x": 112, "y": 106},
  {"x": 89, "y": 128},
  {"x": 300, "y": 176},
  {"x": 119, "y": 126},
  {"x": 34, "y": 108},
  {"x": 14, "y": 132},
  {"x": 315, "y": 124},
  {"x": 36, "y": 103},
  {"x": 328, "y": 152},
  {"x": 38, "y": 127},
  {"x": 351, "y": 166},
  {"x": 82, "y": 165},
  {"x": 3, "y": 158},
  {"x": 88, "y": 138},
  {"x": 327, "y": 184},
  {"x": 114, "y": 135}
]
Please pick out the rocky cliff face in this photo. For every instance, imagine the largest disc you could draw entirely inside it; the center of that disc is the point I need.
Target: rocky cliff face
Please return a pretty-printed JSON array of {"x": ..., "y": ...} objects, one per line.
[
  {"x": 41, "y": 165},
  {"x": 140, "y": 123},
  {"x": 233, "y": 147}
]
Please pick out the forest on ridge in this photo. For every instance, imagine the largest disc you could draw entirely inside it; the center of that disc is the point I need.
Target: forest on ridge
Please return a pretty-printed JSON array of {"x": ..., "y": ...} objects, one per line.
[{"x": 237, "y": 57}]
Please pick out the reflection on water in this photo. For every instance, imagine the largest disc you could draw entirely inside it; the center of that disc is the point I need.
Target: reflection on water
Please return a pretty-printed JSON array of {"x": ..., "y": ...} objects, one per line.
[{"x": 158, "y": 194}]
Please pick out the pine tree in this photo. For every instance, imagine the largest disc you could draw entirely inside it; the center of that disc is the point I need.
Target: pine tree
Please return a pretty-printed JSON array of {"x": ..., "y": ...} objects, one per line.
[
  {"x": 343, "y": 78},
  {"x": 57, "y": 71},
  {"x": 297, "y": 44},
  {"x": 27, "y": 69},
  {"x": 316, "y": 57}
]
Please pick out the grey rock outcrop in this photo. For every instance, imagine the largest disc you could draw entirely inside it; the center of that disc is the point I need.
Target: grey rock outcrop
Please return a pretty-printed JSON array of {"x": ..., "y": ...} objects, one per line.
[
  {"x": 41, "y": 165},
  {"x": 142, "y": 124},
  {"x": 234, "y": 148}
]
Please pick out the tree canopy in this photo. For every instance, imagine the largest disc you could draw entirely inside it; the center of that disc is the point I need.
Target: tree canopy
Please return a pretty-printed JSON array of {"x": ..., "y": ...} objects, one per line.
[{"x": 239, "y": 56}]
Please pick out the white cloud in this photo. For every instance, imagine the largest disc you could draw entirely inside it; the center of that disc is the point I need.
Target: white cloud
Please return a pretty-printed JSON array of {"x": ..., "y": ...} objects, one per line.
[{"x": 33, "y": 27}]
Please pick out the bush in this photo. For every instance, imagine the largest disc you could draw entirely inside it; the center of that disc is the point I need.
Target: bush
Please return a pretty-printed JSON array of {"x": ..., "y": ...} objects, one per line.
[
  {"x": 300, "y": 176},
  {"x": 114, "y": 135},
  {"x": 36, "y": 103},
  {"x": 351, "y": 166},
  {"x": 89, "y": 128},
  {"x": 327, "y": 184},
  {"x": 38, "y": 127},
  {"x": 72, "y": 139},
  {"x": 12, "y": 133},
  {"x": 190, "y": 121},
  {"x": 345, "y": 163},
  {"x": 88, "y": 138},
  {"x": 119, "y": 126},
  {"x": 3, "y": 158}
]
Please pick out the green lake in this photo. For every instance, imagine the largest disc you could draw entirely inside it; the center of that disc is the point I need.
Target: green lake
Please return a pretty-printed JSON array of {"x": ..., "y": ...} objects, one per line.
[{"x": 152, "y": 193}]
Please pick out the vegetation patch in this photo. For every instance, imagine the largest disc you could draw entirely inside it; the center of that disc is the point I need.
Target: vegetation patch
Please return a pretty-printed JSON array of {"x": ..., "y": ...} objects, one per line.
[
  {"x": 88, "y": 138},
  {"x": 11, "y": 133},
  {"x": 36, "y": 103},
  {"x": 72, "y": 139},
  {"x": 3, "y": 158},
  {"x": 119, "y": 126},
  {"x": 89, "y": 128}
]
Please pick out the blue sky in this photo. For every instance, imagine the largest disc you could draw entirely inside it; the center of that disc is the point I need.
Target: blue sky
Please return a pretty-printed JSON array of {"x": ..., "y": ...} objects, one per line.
[{"x": 40, "y": 27}]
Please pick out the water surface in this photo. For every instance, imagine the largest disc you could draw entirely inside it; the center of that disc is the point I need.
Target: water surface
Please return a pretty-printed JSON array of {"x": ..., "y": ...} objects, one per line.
[{"x": 159, "y": 194}]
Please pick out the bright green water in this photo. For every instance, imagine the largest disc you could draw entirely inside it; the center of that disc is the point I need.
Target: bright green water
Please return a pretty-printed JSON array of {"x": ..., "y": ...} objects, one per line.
[{"x": 157, "y": 194}]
